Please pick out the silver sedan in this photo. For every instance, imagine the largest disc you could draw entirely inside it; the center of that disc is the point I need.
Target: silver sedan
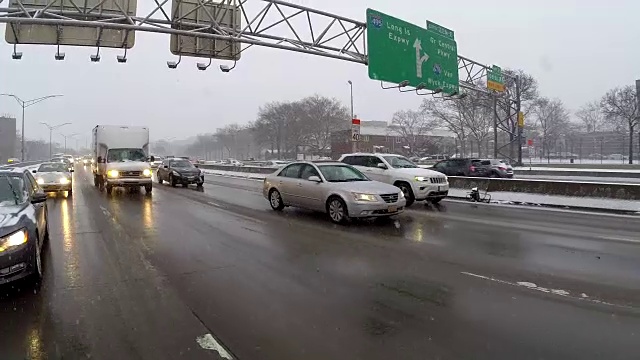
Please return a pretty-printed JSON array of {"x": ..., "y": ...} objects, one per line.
[
  {"x": 54, "y": 177},
  {"x": 335, "y": 188}
]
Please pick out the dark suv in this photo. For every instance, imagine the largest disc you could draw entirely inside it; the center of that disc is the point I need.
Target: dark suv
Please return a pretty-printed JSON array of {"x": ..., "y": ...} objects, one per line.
[{"x": 463, "y": 167}]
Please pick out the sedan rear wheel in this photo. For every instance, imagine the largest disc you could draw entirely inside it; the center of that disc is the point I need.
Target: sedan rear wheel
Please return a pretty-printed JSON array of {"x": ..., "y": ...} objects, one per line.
[
  {"x": 275, "y": 200},
  {"x": 337, "y": 210},
  {"x": 37, "y": 263}
]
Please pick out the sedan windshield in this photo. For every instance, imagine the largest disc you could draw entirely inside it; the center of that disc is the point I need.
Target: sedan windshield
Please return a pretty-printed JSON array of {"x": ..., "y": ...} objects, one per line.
[
  {"x": 125, "y": 155},
  {"x": 181, "y": 164},
  {"x": 341, "y": 173},
  {"x": 399, "y": 162},
  {"x": 11, "y": 190},
  {"x": 53, "y": 167}
]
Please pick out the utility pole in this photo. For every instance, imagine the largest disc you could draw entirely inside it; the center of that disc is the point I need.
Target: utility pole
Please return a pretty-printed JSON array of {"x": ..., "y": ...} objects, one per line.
[
  {"x": 495, "y": 126},
  {"x": 25, "y": 104},
  {"x": 51, "y": 128},
  {"x": 637, "y": 120},
  {"x": 520, "y": 128},
  {"x": 65, "y": 140}
]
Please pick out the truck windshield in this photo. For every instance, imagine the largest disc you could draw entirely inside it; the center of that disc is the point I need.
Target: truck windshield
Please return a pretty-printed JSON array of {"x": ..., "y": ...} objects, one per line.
[{"x": 125, "y": 155}]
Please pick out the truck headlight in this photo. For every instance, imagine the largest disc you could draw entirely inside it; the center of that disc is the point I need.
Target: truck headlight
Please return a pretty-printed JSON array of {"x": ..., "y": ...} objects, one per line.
[
  {"x": 64, "y": 180},
  {"x": 40, "y": 181},
  {"x": 420, "y": 178},
  {"x": 113, "y": 173},
  {"x": 17, "y": 238},
  {"x": 146, "y": 172},
  {"x": 364, "y": 197}
]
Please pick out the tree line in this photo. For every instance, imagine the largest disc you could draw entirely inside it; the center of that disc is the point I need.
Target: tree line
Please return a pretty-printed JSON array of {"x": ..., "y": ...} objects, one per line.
[
  {"x": 281, "y": 129},
  {"x": 471, "y": 118}
]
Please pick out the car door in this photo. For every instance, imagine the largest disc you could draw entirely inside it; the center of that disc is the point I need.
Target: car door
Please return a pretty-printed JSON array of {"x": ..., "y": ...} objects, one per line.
[
  {"x": 162, "y": 171},
  {"x": 310, "y": 192},
  {"x": 287, "y": 183},
  {"x": 376, "y": 173},
  {"x": 441, "y": 166},
  {"x": 31, "y": 187}
]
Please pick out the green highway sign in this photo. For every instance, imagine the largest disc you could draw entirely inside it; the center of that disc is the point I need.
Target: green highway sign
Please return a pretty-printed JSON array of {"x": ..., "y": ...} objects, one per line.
[
  {"x": 431, "y": 26},
  {"x": 495, "y": 81},
  {"x": 400, "y": 51}
]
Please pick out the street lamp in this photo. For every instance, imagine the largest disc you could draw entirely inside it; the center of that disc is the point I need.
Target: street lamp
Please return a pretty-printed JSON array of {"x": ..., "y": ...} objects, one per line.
[
  {"x": 65, "y": 140},
  {"x": 25, "y": 104},
  {"x": 51, "y": 128},
  {"x": 351, "y": 86}
]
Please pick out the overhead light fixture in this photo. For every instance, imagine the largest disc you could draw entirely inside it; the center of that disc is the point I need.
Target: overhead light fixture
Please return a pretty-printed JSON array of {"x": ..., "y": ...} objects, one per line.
[
  {"x": 172, "y": 64},
  {"x": 59, "y": 56},
  {"x": 16, "y": 55},
  {"x": 122, "y": 58},
  {"x": 95, "y": 57}
]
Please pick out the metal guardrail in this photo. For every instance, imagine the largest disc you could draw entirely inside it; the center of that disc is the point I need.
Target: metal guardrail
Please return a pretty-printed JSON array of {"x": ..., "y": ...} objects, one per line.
[{"x": 531, "y": 186}]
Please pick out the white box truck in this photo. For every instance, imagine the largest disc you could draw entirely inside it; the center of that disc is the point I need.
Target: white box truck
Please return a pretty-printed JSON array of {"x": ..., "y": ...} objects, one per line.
[{"x": 122, "y": 157}]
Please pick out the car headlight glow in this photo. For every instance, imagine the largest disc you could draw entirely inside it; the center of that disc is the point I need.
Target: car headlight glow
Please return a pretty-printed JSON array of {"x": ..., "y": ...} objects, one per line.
[
  {"x": 17, "y": 238},
  {"x": 420, "y": 178},
  {"x": 113, "y": 173},
  {"x": 146, "y": 172},
  {"x": 64, "y": 180},
  {"x": 364, "y": 197},
  {"x": 40, "y": 181}
]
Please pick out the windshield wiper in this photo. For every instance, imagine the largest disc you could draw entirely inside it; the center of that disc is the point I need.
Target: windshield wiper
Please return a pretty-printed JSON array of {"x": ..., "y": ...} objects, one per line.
[{"x": 13, "y": 190}]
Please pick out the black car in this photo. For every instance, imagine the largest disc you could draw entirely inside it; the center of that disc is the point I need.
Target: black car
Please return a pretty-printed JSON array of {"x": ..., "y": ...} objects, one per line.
[
  {"x": 463, "y": 167},
  {"x": 24, "y": 226},
  {"x": 179, "y": 171}
]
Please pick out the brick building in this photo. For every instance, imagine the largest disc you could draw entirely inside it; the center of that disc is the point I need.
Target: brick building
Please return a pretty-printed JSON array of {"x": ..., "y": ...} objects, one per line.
[{"x": 379, "y": 136}]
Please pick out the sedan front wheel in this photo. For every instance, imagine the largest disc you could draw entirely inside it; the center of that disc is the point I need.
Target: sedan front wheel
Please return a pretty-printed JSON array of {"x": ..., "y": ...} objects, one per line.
[
  {"x": 337, "y": 210},
  {"x": 275, "y": 200}
]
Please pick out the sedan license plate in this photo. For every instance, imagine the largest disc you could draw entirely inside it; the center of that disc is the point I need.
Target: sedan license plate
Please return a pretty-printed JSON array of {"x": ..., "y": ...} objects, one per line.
[{"x": 392, "y": 209}]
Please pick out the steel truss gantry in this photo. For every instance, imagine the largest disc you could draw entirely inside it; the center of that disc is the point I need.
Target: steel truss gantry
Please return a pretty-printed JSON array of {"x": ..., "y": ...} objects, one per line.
[{"x": 268, "y": 23}]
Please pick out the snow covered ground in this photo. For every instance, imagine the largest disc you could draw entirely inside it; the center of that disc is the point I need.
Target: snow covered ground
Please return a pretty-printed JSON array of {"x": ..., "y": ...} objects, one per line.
[
  {"x": 555, "y": 200},
  {"x": 613, "y": 180},
  {"x": 234, "y": 174}
]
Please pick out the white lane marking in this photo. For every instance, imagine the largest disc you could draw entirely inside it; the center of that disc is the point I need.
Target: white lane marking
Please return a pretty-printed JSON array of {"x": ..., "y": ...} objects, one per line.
[
  {"x": 213, "y": 204},
  {"x": 208, "y": 342},
  {"x": 105, "y": 211},
  {"x": 559, "y": 292}
]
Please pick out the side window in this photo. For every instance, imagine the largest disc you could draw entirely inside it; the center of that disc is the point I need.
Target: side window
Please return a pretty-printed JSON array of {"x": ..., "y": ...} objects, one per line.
[
  {"x": 291, "y": 171},
  {"x": 355, "y": 160},
  {"x": 485, "y": 162},
  {"x": 32, "y": 184},
  {"x": 373, "y": 161},
  {"x": 307, "y": 171}
]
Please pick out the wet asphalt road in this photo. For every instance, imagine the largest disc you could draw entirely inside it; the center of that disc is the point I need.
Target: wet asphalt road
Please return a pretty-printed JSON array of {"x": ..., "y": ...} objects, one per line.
[{"x": 133, "y": 276}]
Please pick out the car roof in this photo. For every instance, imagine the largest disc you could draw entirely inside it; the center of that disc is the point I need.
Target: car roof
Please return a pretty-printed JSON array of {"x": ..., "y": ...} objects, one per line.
[{"x": 372, "y": 154}]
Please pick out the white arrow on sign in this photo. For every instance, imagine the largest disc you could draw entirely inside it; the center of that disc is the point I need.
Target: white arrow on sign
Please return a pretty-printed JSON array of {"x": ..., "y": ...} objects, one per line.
[{"x": 420, "y": 59}]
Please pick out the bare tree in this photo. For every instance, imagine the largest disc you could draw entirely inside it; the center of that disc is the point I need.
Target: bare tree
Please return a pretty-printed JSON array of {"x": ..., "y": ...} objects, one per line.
[
  {"x": 552, "y": 119},
  {"x": 591, "y": 116},
  {"x": 445, "y": 114},
  {"x": 320, "y": 117},
  {"x": 476, "y": 112},
  {"x": 412, "y": 126},
  {"x": 620, "y": 108}
]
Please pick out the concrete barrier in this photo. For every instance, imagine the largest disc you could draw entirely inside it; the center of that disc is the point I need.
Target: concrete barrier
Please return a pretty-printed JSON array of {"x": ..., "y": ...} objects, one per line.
[
  {"x": 546, "y": 187},
  {"x": 243, "y": 169},
  {"x": 604, "y": 174}
]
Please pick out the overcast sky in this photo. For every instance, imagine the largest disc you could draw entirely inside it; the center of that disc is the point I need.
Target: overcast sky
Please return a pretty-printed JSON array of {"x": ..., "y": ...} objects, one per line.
[{"x": 577, "y": 49}]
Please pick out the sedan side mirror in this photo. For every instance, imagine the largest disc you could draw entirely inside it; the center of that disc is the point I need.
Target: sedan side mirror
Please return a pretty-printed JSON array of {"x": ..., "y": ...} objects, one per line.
[
  {"x": 382, "y": 166},
  {"x": 99, "y": 159},
  {"x": 166, "y": 166},
  {"x": 196, "y": 165},
  {"x": 34, "y": 171},
  {"x": 152, "y": 159},
  {"x": 71, "y": 170},
  {"x": 315, "y": 178},
  {"x": 38, "y": 198}
]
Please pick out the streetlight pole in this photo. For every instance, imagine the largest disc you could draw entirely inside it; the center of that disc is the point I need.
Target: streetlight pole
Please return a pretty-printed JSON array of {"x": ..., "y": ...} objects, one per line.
[
  {"x": 351, "y": 87},
  {"x": 65, "y": 140},
  {"x": 25, "y": 104},
  {"x": 51, "y": 128}
]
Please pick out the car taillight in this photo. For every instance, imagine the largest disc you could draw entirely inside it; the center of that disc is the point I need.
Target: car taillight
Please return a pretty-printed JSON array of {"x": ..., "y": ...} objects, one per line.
[
  {"x": 502, "y": 168},
  {"x": 472, "y": 168}
]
